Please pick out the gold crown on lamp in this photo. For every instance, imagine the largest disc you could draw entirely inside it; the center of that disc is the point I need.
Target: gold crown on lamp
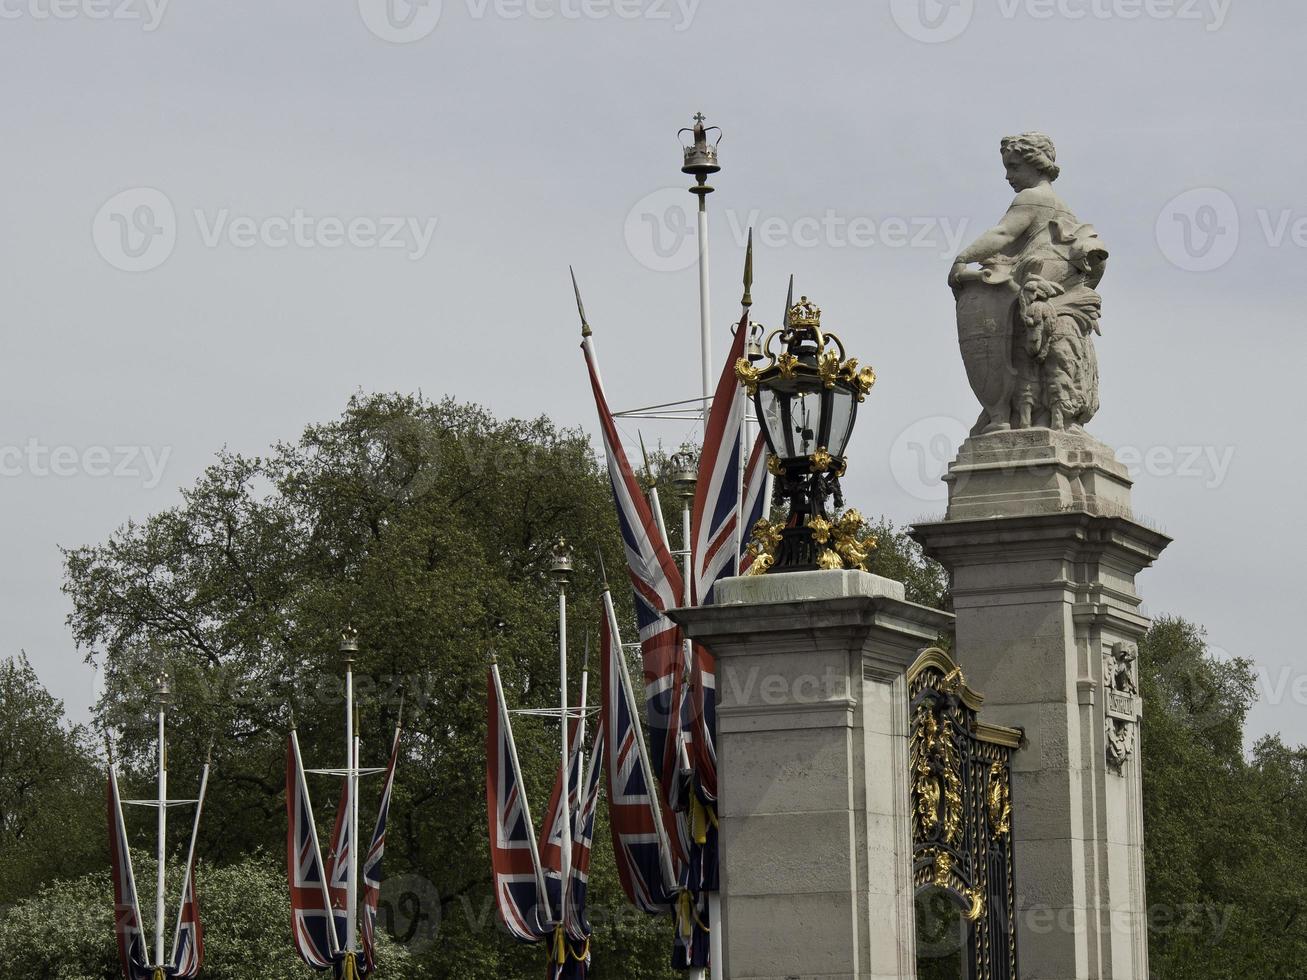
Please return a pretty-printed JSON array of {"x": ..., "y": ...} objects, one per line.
[{"x": 804, "y": 313}]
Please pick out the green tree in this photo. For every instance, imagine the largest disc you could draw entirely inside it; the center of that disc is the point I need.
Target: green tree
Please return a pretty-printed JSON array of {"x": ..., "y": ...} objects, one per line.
[
  {"x": 429, "y": 526},
  {"x": 1223, "y": 828},
  {"x": 51, "y": 789},
  {"x": 65, "y": 931}
]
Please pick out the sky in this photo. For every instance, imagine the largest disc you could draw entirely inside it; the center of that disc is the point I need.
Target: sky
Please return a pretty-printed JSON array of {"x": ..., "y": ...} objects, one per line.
[{"x": 220, "y": 220}]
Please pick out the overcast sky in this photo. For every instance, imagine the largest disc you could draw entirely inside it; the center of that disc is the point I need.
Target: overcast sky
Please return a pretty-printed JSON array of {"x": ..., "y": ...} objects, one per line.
[{"x": 220, "y": 219}]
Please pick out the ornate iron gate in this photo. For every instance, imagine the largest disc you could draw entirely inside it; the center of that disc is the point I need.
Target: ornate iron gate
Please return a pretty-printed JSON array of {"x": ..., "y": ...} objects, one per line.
[{"x": 962, "y": 811}]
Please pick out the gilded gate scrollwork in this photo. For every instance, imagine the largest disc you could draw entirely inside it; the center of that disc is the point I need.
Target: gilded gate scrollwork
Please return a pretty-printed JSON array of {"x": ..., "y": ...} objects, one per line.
[{"x": 962, "y": 811}]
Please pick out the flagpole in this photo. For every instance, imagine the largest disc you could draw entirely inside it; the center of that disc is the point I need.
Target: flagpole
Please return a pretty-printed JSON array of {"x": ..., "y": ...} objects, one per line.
[
  {"x": 746, "y": 440},
  {"x": 349, "y": 645},
  {"x": 190, "y": 854},
  {"x": 561, "y": 569},
  {"x": 700, "y": 162},
  {"x": 162, "y": 695}
]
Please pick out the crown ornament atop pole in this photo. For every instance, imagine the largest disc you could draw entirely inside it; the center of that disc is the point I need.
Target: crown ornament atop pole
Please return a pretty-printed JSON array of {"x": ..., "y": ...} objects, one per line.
[{"x": 701, "y": 160}]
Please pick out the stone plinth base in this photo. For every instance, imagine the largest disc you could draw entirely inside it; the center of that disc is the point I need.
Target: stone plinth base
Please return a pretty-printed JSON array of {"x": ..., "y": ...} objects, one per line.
[
  {"x": 813, "y": 772},
  {"x": 1036, "y": 471}
]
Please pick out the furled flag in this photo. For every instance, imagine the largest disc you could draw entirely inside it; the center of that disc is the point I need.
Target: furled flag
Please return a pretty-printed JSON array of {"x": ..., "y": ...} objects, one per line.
[
  {"x": 188, "y": 941},
  {"x": 639, "y": 822},
  {"x": 715, "y": 520},
  {"x": 519, "y": 881},
  {"x": 372, "y": 870},
  {"x": 338, "y": 857},
  {"x": 311, "y": 917},
  {"x": 132, "y": 954},
  {"x": 570, "y": 954},
  {"x": 656, "y": 582},
  {"x": 551, "y": 838},
  {"x": 757, "y": 497}
]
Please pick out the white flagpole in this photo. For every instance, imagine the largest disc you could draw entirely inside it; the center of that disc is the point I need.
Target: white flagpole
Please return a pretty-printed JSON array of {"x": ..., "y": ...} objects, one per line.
[
  {"x": 705, "y": 315},
  {"x": 348, "y": 648},
  {"x": 162, "y": 693},
  {"x": 190, "y": 854},
  {"x": 566, "y": 799}
]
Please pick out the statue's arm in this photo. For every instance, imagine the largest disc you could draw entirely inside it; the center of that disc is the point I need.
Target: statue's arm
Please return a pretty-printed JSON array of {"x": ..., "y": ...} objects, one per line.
[{"x": 997, "y": 239}]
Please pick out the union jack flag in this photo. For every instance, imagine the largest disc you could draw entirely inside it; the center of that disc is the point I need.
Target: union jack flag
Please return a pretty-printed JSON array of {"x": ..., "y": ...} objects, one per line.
[
  {"x": 639, "y": 823},
  {"x": 572, "y": 946},
  {"x": 188, "y": 941},
  {"x": 132, "y": 954},
  {"x": 715, "y": 521},
  {"x": 372, "y": 870},
  {"x": 757, "y": 497},
  {"x": 338, "y": 857},
  {"x": 519, "y": 881},
  {"x": 311, "y": 918},
  {"x": 657, "y": 584},
  {"x": 551, "y": 840},
  {"x": 578, "y": 924}
]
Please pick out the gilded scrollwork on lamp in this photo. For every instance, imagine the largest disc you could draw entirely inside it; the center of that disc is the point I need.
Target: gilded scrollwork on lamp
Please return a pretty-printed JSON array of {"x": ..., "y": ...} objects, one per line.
[{"x": 805, "y": 392}]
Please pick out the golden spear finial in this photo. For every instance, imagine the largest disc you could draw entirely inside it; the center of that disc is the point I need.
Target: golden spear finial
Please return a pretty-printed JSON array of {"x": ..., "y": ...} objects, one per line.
[
  {"x": 580, "y": 307},
  {"x": 747, "y": 301}
]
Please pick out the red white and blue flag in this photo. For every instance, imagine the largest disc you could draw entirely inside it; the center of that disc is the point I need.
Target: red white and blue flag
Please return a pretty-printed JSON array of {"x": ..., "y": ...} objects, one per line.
[
  {"x": 570, "y": 959},
  {"x": 639, "y": 821},
  {"x": 519, "y": 881},
  {"x": 339, "y": 855},
  {"x": 657, "y": 584},
  {"x": 188, "y": 941},
  {"x": 756, "y": 498},
  {"x": 372, "y": 866},
  {"x": 312, "y": 928},
  {"x": 557, "y": 818},
  {"x": 715, "y": 520},
  {"x": 132, "y": 954}
]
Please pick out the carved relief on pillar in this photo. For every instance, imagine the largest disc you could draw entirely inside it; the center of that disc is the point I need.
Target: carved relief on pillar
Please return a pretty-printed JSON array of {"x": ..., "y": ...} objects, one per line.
[{"x": 1122, "y": 702}]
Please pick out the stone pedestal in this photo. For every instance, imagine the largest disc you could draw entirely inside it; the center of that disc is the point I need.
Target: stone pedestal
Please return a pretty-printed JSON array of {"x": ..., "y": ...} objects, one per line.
[
  {"x": 1043, "y": 552},
  {"x": 813, "y": 772}
]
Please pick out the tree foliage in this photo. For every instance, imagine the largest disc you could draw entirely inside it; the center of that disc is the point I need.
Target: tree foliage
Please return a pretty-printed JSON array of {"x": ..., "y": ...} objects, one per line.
[
  {"x": 1224, "y": 829},
  {"x": 51, "y": 800},
  {"x": 429, "y": 527}
]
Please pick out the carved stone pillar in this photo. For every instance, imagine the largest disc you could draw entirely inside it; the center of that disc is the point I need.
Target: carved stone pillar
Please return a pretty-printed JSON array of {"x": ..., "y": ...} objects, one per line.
[
  {"x": 813, "y": 765},
  {"x": 1043, "y": 553}
]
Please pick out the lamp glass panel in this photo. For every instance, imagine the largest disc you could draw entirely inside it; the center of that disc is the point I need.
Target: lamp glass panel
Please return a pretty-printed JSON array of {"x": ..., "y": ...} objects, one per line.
[
  {"x": 773, "y": 422},
  {"x": 805, "y": 421},
  {"x": 843, "y": 408}
]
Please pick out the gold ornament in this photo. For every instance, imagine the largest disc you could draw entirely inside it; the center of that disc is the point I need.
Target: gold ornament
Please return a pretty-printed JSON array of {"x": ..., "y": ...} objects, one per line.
[{"x": 747, "y": 375}]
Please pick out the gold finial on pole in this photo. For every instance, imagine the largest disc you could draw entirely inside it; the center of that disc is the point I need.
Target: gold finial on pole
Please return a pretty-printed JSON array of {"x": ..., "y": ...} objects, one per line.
[
  {"x": 580, "y": 307},
  {"x": 747, "y": 301}
]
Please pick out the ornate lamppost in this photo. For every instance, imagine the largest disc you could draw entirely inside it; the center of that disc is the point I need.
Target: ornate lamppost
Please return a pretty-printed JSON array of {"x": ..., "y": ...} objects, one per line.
[{"x": 806, "y": 397}]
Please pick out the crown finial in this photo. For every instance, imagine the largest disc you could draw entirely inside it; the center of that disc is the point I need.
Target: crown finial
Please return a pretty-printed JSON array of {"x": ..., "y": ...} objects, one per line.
[{"x": 803, "y": 314}]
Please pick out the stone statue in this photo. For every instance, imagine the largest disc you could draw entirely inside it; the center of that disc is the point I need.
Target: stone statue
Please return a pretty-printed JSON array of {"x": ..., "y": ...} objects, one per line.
[
  {"x": 1119, "y": 669},
  {"x": 1027, "y": 316}
]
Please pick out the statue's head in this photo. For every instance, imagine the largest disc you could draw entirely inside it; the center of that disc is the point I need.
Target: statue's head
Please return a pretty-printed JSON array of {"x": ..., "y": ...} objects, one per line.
[{"x": 1030, "y": 159}]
